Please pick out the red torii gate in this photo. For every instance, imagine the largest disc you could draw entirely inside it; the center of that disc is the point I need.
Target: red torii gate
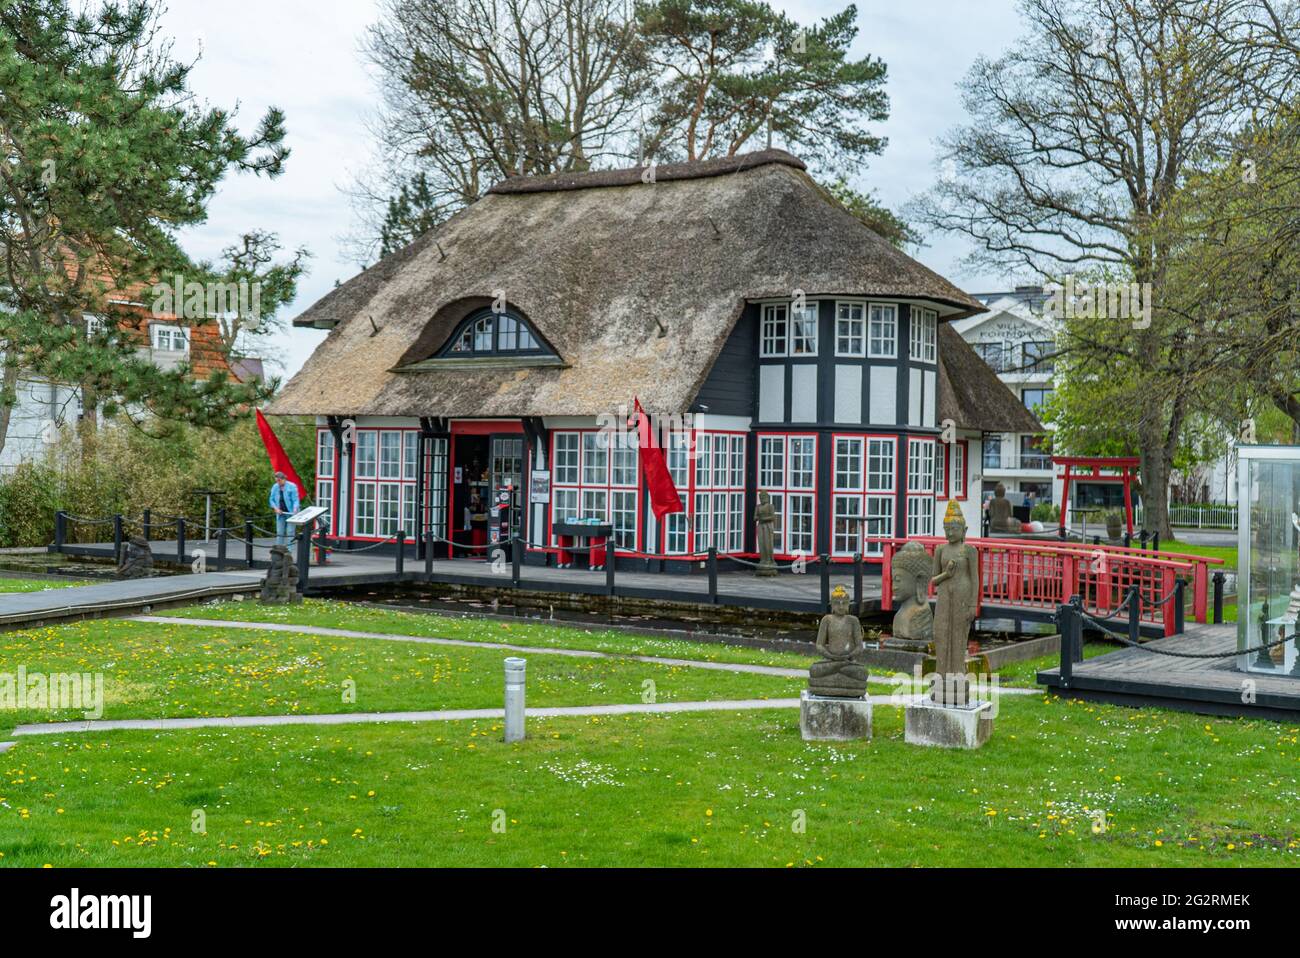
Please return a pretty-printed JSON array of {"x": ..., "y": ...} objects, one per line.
[{"x": 1090, "y": 468}]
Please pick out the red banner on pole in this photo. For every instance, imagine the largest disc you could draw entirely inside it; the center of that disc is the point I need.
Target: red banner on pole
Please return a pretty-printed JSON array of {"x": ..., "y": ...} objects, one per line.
[
  {"x": 279, "y": 460},
  {"x": 664, "y": 499}
]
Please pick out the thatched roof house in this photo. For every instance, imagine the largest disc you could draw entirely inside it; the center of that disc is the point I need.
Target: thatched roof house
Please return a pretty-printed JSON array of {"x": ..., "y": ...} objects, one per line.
[{"x": 513, "y": 329}]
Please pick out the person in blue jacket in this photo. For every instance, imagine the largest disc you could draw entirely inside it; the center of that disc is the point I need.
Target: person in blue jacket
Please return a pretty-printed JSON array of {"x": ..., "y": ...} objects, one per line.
[{"x": 284, "y": 501}]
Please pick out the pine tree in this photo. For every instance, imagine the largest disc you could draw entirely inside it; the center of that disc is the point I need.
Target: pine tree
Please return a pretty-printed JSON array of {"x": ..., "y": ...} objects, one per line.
[{"x": 106, "y": 154}]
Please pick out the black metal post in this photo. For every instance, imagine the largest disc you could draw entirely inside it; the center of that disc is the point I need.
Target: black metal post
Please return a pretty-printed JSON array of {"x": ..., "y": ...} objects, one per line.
[
  {"x": 428, "y": 553},
  {"x": 1076, "y": 644},
  {"x": 1134, "y": 612},
  {"x": 1218, "y": 597},
  {"x": 248, "y": 542},
  {"x": 711, "y": 565},
  {"x": 611, "y": 560},
  {"x": 304, "y": 555},
  {"x": 516, "y": 557},
  {"x": 221, "y": 548},
  {"x": 1142, "y": 539},
  {"x": 117, "y": 537},
  {"x": 1066, "y": 624},
  {"x": 180, "y": 540},
  {"x": 401, "y": 552},
  {"x": 1155, "y": 542},
  {"x": 60, "y": 530},
  {"x": 1180, "y": 613},
  {"x": 857, "y": 583},
  {"x": 825, "y": 562},
  {"x": 146, "y": 525},
  {"x": 1128, "y": 540},
  {"x": 221, "y": 517}
]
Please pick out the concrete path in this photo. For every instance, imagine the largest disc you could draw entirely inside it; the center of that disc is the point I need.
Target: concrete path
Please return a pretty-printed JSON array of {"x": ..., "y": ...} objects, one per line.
[
  {"x": 469, "y": 644},
  {"x": 448, "y": 715}
]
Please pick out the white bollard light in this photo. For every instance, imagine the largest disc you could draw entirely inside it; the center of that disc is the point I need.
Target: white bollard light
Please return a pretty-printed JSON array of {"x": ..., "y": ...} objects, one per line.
[{"x": 515, "y": 675}]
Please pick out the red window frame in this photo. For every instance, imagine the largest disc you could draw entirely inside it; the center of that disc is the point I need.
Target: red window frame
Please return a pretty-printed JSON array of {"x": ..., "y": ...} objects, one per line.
[
  {"x": 961, "y": 483},
  {"x": 920, "y": 494},
  {"x": 786, "y": 490},
  {"x": 354, "y": 480},
  {"x": 864, "y": 492},
  {"x": 608, "y": 487}
]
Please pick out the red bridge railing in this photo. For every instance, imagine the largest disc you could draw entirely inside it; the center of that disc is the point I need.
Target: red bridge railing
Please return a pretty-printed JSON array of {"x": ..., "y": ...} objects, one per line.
[{"x": 1044, "y": 575}]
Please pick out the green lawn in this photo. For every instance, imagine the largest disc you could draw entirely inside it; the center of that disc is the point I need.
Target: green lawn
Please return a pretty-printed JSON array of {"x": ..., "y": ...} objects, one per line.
[
  {"x": 698, "y": 789},
  {"x": 155, "y": 670},
  {"x": 349, "y": 615},
  {"x": 37, "y": 585},
  {"x": 1227, "y": 553}
]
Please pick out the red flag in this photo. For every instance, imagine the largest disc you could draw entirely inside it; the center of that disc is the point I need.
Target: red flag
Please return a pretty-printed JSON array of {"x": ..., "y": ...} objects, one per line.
[
  {"x": 279, "y": 461},
  {"x": 654, "y": 466}
]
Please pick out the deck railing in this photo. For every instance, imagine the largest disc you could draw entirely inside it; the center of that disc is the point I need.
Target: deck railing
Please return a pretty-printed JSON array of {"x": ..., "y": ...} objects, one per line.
[{"x": 1044, "y": 575}]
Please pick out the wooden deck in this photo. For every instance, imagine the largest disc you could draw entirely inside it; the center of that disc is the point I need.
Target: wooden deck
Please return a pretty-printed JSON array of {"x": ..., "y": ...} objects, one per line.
[{"x": 1215, "y": 686}]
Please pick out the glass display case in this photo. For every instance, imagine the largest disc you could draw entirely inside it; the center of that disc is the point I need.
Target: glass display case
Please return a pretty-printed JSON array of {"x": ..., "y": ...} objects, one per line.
[{"x": 1268, "y": 558}]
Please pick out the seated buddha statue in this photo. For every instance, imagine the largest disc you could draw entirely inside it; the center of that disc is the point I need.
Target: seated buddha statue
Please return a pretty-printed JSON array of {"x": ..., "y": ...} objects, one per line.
[{"x": 840, "y": 673}]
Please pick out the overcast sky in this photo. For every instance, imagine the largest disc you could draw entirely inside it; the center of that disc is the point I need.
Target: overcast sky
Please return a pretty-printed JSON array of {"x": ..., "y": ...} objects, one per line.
[{"x": 303, "y": 56}]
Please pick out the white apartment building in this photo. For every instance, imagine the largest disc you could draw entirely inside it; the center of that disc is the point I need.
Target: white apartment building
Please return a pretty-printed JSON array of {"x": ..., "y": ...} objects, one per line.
[{"x": 1017, "y": 341}]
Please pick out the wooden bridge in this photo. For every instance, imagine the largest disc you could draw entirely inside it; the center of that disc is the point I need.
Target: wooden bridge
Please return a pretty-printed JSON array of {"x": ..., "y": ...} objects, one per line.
[{"x": 1035, "y": 576}]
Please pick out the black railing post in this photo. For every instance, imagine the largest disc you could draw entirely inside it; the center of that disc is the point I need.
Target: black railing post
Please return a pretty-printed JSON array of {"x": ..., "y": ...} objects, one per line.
[
  {"x": 857, "y": 583},
  {"x": 1076, "y": 649},
  {"x": 825, "y": 562},
  {"x": 517, "y": 555},
  {"x": 304, "y": 556},
  {"x": 611, "y": 559},
  {"x": 221, "y": 548},
  {"x": 1134, "y": 612},
  {"x": 221, "y": 517},
  {"x": 1218, "y": 598},
  {"x": 1128, "y": 540},
  {"x": 428, "y": 553},
  {"x": 248, "y": 542},
  {"x": 1180, "y": 613},
  {"x": 60, "y": 530},
  {"x": 117, "y": 537},
  {"x": 711, "y": 565},
  {"x": 1066, "y": 623},
  {"x": 400, "y": 564},
  {"x": 1155, "y": 542},
  {"x": 146, "y": 525},
  {"x": 180, "y": 540}
]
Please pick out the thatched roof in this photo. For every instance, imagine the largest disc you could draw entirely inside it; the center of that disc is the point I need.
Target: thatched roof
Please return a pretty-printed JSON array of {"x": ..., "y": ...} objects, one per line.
[
  {"x": 635, "y": 284},
  {"x": 972, "y": 395}
]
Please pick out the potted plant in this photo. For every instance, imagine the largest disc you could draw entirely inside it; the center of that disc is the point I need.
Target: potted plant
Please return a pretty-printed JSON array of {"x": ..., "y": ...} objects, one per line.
[{"x": 1114, "y": 523}]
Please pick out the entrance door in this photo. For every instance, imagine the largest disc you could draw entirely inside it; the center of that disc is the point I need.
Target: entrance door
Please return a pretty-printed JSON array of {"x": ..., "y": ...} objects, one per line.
[{"x": 507, "y": 463}]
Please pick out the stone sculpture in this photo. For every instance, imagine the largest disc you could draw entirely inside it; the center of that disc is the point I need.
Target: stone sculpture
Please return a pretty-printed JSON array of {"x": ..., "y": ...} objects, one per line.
[
  {"x": 912, "y": 568},
  {"x": 956, "y": 583},
  {"x": 281, "y": 583},
  {"x": 765, "y": 520},
  {"x": 1001, "y": 518},
  {"x": 840, "y": 673},
  {"x": 136, "y": 560}
]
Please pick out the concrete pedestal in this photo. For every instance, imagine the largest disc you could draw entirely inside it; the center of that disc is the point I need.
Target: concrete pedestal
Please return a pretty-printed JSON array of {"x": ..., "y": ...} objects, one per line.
[
  {"x": 825, "y": 718},
  {"x": 947, "y": 726}
]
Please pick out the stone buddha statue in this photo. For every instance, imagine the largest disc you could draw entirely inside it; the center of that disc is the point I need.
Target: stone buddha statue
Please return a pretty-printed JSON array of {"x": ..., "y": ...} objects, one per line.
[
  {"x": 911, "y": 568},
  {"x": 957, "y": 585},
  {"x": 840, "y": 673},
  {"x": 765, "y": 522},
  {"x": 1000, "y": 517}
]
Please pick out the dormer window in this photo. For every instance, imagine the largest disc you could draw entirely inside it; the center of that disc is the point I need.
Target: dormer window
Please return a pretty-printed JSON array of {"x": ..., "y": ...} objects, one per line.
[{"x": 489, "y": 333}]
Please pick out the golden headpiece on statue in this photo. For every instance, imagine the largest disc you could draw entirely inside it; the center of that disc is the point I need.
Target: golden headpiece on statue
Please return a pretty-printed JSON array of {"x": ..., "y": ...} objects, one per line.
[
  {"x": 839, "y": 592},
  {"x": 954, "y": 512}
]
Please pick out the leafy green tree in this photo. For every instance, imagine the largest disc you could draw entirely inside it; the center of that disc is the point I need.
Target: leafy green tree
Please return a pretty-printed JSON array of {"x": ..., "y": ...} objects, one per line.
[
  {"x": 739, "y": 75},
  {"x": 106, "y": 153}
]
